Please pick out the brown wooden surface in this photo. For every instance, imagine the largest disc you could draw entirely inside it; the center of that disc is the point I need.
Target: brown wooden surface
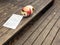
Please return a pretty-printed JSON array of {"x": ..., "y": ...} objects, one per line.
[
  {"x": 45, "y": 31},
  {"x": 8, "y": 7}
]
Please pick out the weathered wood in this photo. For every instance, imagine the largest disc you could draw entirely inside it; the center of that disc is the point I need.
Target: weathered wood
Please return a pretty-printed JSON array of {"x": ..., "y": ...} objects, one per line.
[
  {"x": 6, "y": 10},
  {"x": 32, "y": 29},
  {"x": 45, "y": 31},
  {"x": 56, "y": 40},
  {"x": 38, "y": 34},
  {"x": 52, "y": 32}
]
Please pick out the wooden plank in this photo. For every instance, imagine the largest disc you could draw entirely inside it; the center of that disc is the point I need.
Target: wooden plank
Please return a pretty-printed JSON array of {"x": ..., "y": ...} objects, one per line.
[
  {"x": 31, "y": 38},
  {"x": 13, "y": 5},
  {"x": 42, "y": 35},
  {"x": 52, "y": 34},
  {"x": 7, "y": 14},
  {"x": 2, "y": 30},
  {"x": 3, "y": 21},
  {"x": 31, "y": 30},
  {"x": 9, "y": 9},
  {"x": 56, "y": 40},
  {"x": 34, "y": 35},
  {"x": 7, "y": 33}
]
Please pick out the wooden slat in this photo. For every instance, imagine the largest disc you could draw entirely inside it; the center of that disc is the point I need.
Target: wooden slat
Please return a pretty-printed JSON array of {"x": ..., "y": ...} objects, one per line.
[
  {"x": 52, "y": 33},
  {"x": 11, "y": 7},
  {"x": 56, "y": 40},
  {"x": 2, "y": 30},
  {"x": 44, "y": 33},
  {"x": 39, "y": 30},
  {"x": 31, "y": 30}
]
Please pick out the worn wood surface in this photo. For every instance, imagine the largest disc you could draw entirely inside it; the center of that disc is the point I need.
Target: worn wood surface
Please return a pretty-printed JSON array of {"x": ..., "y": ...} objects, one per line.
[
  {"x": 45, "y": 31},
  {"x": 8, "y": 7}
]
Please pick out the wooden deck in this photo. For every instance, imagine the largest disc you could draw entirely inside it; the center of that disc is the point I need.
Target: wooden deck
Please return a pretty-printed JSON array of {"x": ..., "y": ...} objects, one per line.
[
  {"x": 8, "y": 7},
  {"x": 44, "y": 31}
]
